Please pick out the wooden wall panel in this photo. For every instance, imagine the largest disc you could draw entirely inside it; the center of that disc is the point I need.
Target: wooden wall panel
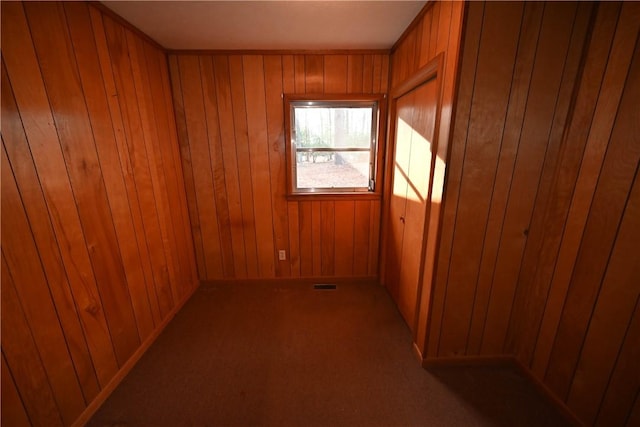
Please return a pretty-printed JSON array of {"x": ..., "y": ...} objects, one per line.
[
  {"x": 321, "y": 238},
  {"x": 575, "y": 313},
  {"x": 96, "y": 246},
  {"x": 519, "y": 62},
  {"x": 436, "y": 30},
  {"x": 535, "y": 256}
]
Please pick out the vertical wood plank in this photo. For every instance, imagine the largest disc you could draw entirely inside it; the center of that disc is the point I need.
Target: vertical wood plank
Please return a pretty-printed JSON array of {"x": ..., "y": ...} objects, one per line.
[
  {"x": 294, "y": 239},
  {"x": 344, "y": 238},
  {"x": 307, "y": 242},
  {"x": 277, "y": 164},
  {"x": 425, "y": 38},
  {"x": 490, "y": 97},
  {"x": 625, "y": 378},
  {"x": 435, "y": 27},
  {"x": 377, "y": 74},
  {"x": 23, "y": 359},
  {"x": 260, "y": 173},
  {"x": 299, "y": 73},
  {"x": 218, "y": 259},
  {"x": 217, "y": 165},
  {"x": 31, "y": 99},
  {"x": 569, "y": 230},
  {"x": 44, "y": 236},
  {"x": 367, "y": 74},
  {"x": 534, "y": 273},
  {"x": 335, "y": 73},
  {"x": 609, "y": 199},
  {"x": 235, "y": 182},
  {"x": 13, "y": 411},
  {"x": 89, "y": 69},
  {"x": 354, "y": 73},
  {"x": 236, "y": 78},
  {"x": 374, "y": 233},
  {"x": 185, "y": 156},
  {"x": 551, "y": 53},
  {"x": 133, "y": 154},
  {"x": 362, "y": 238},
  {"x": 156, "y": 64},
  {"x": 59, "y": 73},
  {"x": 611, "y": 315},
  {"x": 125, "y": 164},
  {"x": 313, "y": 73},
  {"x": 288, "y": 74},
  {"x": 23, "y": 266},
  {"x": 167, "y": 292},
  {"x": 316, "y": 238},
  {"x": 327, "y": 232}
]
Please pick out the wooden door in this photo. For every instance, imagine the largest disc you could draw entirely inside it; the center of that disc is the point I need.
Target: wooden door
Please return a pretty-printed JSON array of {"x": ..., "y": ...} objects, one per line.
[{"x": 415, "y": 118}]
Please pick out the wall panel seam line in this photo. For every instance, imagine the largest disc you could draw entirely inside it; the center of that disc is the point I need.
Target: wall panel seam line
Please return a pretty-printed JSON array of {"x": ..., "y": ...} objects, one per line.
[
  {"x": 515, "y": 162},
  {"x": 455, "y": 219},
  {"x": 144, "y": 148},
  {"x": 170, "y": 220},
  {"x": 613, "y": 366},
  {"x": 24, "y": 407},
  {"x": 82, "y": 226},
  {"x": 95, "y": 150},
  {"x": 602, "y": 279},
  {"x": 177, "y": 160},
  {"x": 253, "y": 205},
  {"x": 189, "y": 147},
  {"x": 548, "y": 142},
  {"x": 124, "y": 161},
  {"x": 235, "y": 148},
  {"x": 592, "y": 196},
  {"x": 554, "y": 184},
  {"x": 35, "y": 344},
  {"x": 50, "y": 293},
  {"x": 54, "y": 235},
  {"x": 493, "y": 184},
  {"x": 120, "y": 162},
  {"x": 211, "y": 161},
  {"x": 628, "y": 417}
]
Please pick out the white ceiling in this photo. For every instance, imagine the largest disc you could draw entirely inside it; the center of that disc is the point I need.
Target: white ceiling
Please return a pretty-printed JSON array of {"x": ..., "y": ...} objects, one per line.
[{"x": 294, "y": 24}]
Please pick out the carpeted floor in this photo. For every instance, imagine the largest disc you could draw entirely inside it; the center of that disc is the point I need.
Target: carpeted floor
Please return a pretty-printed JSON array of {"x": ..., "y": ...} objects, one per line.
[{"x": 289, "y": 355}]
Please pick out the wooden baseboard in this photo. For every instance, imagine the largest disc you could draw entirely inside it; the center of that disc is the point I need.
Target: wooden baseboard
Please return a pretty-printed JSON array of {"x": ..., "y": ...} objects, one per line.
[
  {"x": 338, "y": 280},
  {"x": 568, "y": 414},
  {"x": 496, "y": 360},
  {"x": 505, "y": 360},
  {"x": 129, "y": 364}
]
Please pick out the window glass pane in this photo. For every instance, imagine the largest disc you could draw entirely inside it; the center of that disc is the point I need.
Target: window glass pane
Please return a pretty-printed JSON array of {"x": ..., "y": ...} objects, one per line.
[
  {"x": 323, "y": 127},
  {"x": 331, "y": 169}
]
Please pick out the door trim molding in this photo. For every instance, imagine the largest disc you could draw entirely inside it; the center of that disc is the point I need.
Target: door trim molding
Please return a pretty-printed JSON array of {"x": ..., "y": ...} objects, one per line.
[{"x": 432, "y": 70}]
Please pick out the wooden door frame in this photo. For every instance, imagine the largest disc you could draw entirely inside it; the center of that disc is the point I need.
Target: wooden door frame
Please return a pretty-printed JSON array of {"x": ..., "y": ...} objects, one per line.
[{"x": 433, "y": 69}]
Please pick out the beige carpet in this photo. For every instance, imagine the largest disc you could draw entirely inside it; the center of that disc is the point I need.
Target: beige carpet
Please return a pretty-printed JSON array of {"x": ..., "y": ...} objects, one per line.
[{"x": 289, "y": 355}]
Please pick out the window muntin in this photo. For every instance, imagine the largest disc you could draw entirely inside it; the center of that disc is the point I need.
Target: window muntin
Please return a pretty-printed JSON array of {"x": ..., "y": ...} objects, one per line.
[{"x": 332, "y": 145}]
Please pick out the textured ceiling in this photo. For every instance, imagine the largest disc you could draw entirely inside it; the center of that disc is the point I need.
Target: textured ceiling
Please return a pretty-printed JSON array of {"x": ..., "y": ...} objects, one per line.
[{"x": 297, "y": 24}]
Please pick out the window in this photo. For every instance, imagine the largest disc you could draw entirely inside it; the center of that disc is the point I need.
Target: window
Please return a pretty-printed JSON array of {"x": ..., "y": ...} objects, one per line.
[{"x": 332, "y": 144}]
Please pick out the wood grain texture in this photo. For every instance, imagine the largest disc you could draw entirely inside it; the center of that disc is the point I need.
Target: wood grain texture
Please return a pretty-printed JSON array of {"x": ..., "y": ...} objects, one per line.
[
  {"x": 320, "y": 238},
  {"x": 433, "y": 34},
  {"x": 13, "y": 411},
  {"x": 574, "y": 320},
  {"x": 96, "y": 240}
]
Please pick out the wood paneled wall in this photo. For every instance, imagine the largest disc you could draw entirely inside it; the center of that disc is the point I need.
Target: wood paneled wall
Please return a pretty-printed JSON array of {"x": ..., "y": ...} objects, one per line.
[
  {"x": 576, "y": 315},
  {"x": 436, "y": 30},
  {"x": 97, "y": 251},
  {"x": 517, "y": 73},
  {"x": 229, "y": 111}
]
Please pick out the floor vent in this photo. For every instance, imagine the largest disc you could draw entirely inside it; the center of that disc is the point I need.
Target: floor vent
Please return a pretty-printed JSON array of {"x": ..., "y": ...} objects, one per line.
[{"x": 324, "y": 286}]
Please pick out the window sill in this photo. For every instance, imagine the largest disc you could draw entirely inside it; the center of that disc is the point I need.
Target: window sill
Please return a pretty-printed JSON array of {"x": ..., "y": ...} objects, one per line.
[{"x": 302, "y": 197}]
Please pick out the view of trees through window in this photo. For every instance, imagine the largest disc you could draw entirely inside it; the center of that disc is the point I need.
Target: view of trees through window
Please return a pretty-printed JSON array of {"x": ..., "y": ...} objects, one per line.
[{"x": 333, "y": 146}]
